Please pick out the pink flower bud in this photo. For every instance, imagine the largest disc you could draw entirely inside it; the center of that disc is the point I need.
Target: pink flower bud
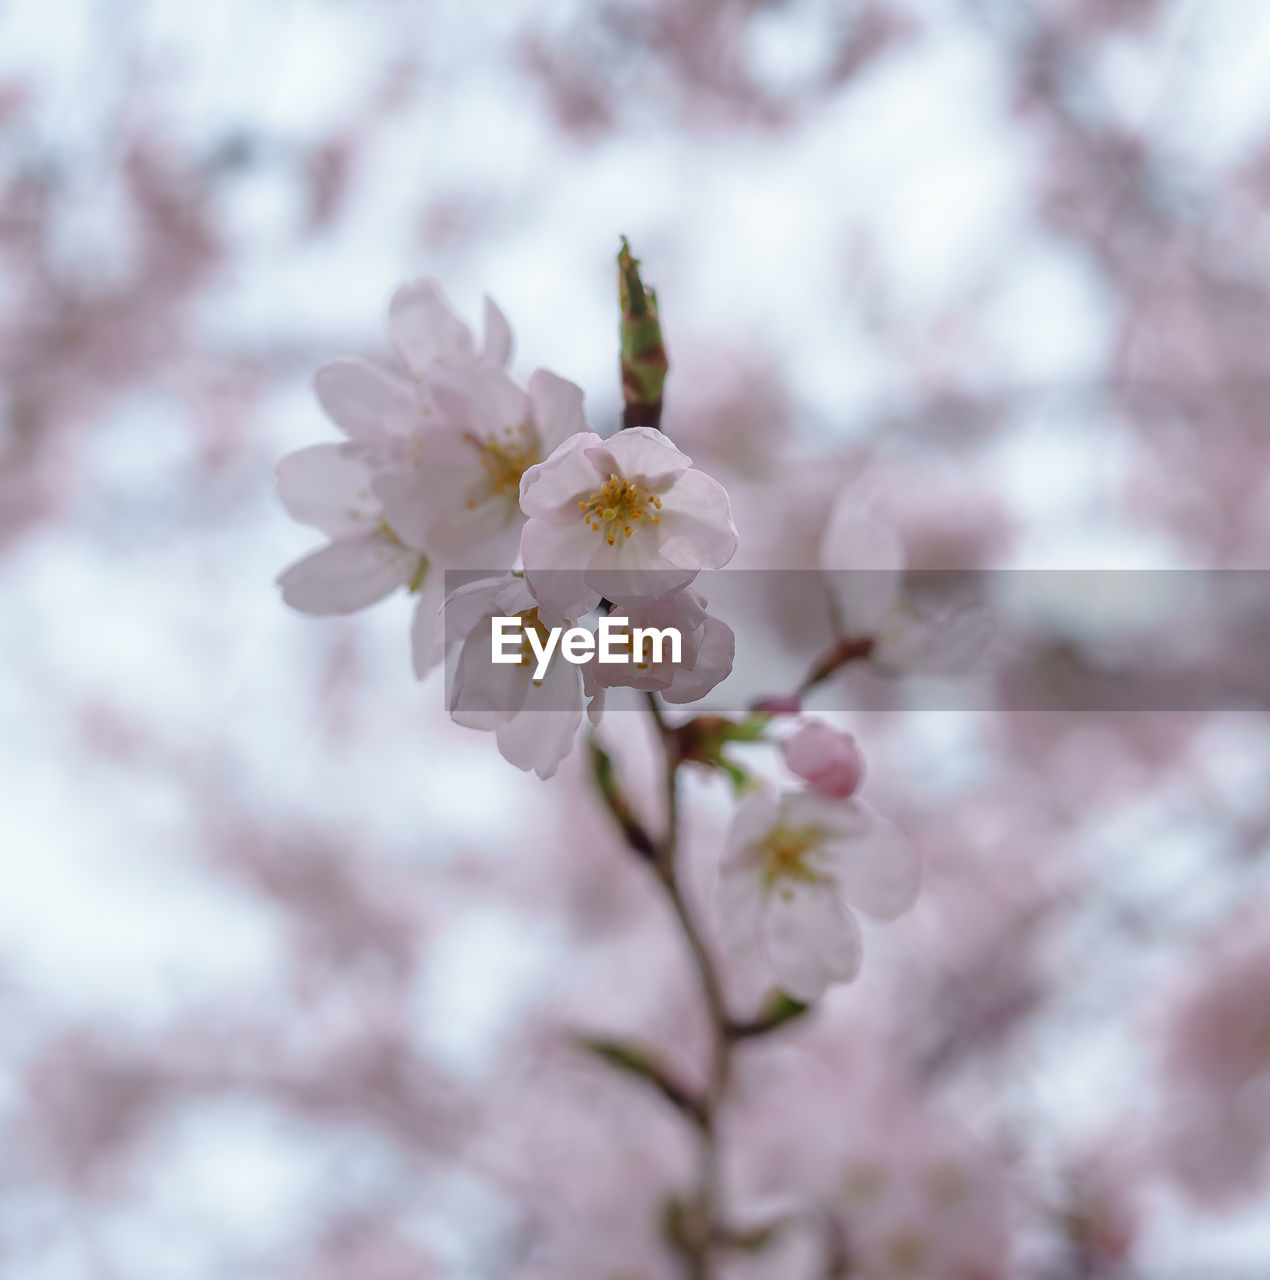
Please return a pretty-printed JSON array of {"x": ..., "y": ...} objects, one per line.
[{"x": 829, "y": 761}]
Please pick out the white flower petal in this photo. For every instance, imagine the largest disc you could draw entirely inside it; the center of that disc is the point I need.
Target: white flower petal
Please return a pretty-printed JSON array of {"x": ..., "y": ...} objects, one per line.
[
  {"x": 552, "y": 489},
  {"x": 697, "y": 521},
  {"x": 328, "y": 486},
  {"x": 449, "y": 471},
  {"x": 841, "y": 820},
  {"x": 557, "y": 408},
  {"x": 643, "y": 455},
  {"x": 864, "y": 562},
  {"x": 348, "y": 575},
  {"x": 485, "y": 694},
  {"x": 535, "y": 723},
  {"x": 562, "y": 592},
  {"x": 752, "y": 820},
  {"x": 483, "y": 536},
  {"x": 880, "y": 872},
  {"x": 514, "y": 596},
  {"x": 365, "y": 401},
  {"x": 738, "y": 902},
  {"x": 810, "y": 940},
  {"x": 633, "y": 569},
  {"x": 713, "y": 664},
  {"x": 424, "y": 328},
  {"x": 447, "y": 504},
  {"x": 543, "y": 733},
  {"x": 877, "y": 866},
  {"x": 448, "y": 460},
  {"x": 465, "y": 606},
  {"x": 497, "y": 349},
  {"x": 480, "y": 399},
  {"x": 682, "y": 610},
  {"x": 405, "y": 505}
]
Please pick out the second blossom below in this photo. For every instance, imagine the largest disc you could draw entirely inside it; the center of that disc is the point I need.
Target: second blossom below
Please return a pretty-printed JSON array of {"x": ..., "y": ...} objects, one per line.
[{"x": 796, "y": 869}]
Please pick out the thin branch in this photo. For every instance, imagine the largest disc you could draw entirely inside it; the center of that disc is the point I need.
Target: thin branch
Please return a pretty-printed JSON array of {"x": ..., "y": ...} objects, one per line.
[{"x": 709, "y": 1187}]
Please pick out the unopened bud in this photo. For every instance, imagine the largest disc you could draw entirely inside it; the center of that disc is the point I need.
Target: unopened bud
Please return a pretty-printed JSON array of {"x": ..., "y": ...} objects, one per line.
[
  {"x": 828, "y": 761},
  {"x": 644, "y": 362}
]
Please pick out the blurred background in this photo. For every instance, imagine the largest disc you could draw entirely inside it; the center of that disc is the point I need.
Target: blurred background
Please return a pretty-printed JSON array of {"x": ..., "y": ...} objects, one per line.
[{"x": 285, "y": 956}]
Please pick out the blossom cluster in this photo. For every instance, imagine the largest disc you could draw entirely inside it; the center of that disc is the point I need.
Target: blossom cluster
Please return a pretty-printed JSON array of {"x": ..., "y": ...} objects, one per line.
[{"x": 451, "y": 464}]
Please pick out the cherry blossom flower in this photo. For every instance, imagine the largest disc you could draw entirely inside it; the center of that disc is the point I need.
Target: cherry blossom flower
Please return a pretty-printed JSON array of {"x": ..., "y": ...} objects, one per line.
[
  {"x": 708, "y": 648},
  {"x": 432, "y": 473},
  {"x": 534, "y": 721},
  {"x": 828, "y": 761},
  {"x": 424, "y": 329},
  {"x": 456, "y": 486},
  {"x": 330, "y": 487},
  {"x": 863, "y": 562},
  {"x": 378, "y": 405},
  {"x": 795, "y": 869},
  {"x": 624, "y": 518},
  {"x": 454, "y": 432}
]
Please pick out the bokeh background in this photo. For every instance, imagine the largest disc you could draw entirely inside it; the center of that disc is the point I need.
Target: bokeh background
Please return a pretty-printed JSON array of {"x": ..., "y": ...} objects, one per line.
[{"x": 284, "y": 955}]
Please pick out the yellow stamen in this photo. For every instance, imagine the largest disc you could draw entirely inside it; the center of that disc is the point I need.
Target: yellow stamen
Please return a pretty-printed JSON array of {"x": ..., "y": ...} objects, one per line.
[
  {"x": 785, "y": 854},
  {"x": 621, "y": 503},
  {"x": 504, "y": 459}
]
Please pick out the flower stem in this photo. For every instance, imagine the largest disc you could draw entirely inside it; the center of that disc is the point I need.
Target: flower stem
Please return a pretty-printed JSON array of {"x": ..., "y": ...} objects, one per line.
[{"x": 699, "y": 1247}]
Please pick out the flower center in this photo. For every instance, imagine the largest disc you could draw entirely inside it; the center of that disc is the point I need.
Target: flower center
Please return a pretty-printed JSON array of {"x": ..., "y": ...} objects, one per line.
[
  {"x": 786, "y": 855},
  {"x": 504, "y": 458},
  {"x": 617, "y": 507},
  {"x": 530, "y": 621}
]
